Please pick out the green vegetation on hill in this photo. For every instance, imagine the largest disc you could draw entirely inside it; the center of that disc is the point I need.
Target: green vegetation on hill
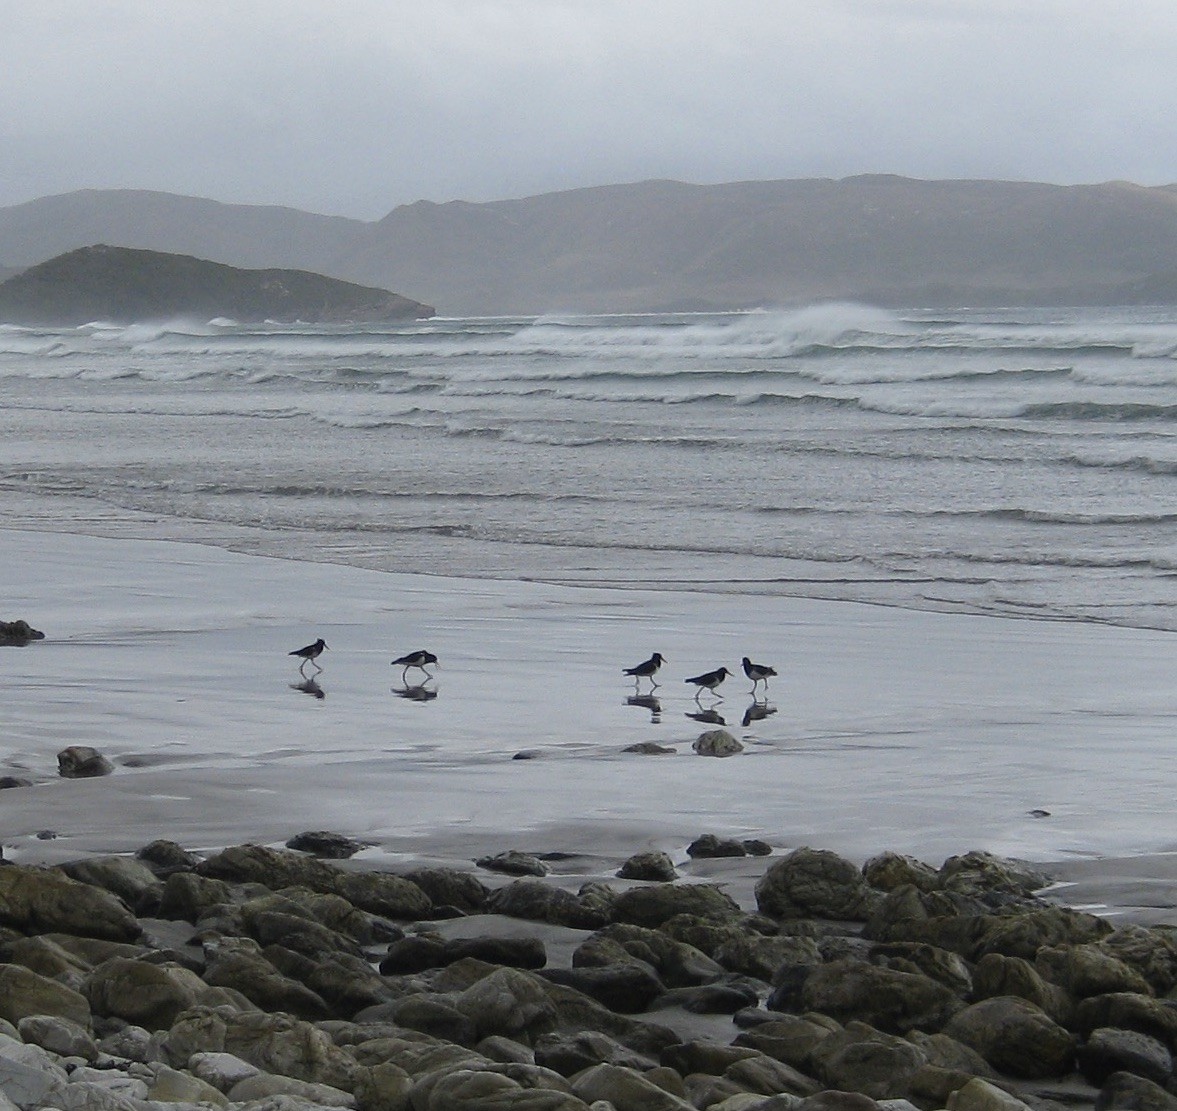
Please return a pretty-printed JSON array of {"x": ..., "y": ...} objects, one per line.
[{"x": 124, "y": 285}]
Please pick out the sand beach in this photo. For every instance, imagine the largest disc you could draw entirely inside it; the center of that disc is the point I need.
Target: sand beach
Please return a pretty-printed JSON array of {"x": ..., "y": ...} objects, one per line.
[{"x": 922, "y": 733}]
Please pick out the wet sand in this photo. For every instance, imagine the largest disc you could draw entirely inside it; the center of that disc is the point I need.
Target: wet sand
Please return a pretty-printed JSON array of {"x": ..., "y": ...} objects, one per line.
[{"x": 923, "y": 733}]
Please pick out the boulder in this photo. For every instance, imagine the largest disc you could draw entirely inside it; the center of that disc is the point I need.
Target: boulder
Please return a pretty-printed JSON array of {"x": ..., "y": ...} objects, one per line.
[
  {"x": 18, "y": 633},
  {"x": 1128, "y": 1011},
  {"x": 996, "y": 975},
  {"x": 38, "y": 900},
  {"x": 82, "y": 762},
  {"x": 708, "y": 846},
  {"x": 238, "y": 964},
  {"x": 651, "y": 906},
  {"x": 24, "y": 993},
  {"x": 717, "y": 742},
  {"x": 1127, "y": 1092},
  {"x": 676, "y": 962},
  {"x": 1083, "y": 970},
  {"x": 1152, "y": 952},
  {"x": 1107, "y": 1051},
  {"x": 628, "y": 988},
  {"x": 889, "y": 871},
  {"x": 511, "y": 1003},
  {"x": 61, "y": 1036},
  {"x": 164, "y": 857},
  {"x": 980, "y": 1095},
  {"x": 451, "y": 887},
  {"x": 865, "y": 1060},
  {"x": 421, "y": 951},
  {"x": 815, "y": 883},
  {"x": 538, "y": 902},
  {"x": 514, "y": 863},
  {"x": 187, "y": 896},
  {"x": 626, "y": 1090},
  {"x": 131, "y": 880},
  {"x": 570, "y": 1053},
  {"x": 653, "y": 866},
  {"x": 325, "y": 845},
  {"x": 787, "y": 1038},
  {"x": 1015, "y": 1037},
  {"x": 148, "y": 995}
]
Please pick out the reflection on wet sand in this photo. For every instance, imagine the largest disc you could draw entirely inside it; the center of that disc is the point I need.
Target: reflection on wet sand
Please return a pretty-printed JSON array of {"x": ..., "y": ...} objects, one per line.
[
  {"x": 311, "y": 687},
  {"x": 758, "y": 711},
  {"x": 708, "y": 717},
  {"x": 420, "y": 693},
  {"x": 647, "y": 702}
]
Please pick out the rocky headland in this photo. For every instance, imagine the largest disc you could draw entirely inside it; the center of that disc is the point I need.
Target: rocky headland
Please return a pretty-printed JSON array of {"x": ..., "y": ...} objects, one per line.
[
  {"x": 123, "y": 285},
  {"x": 299, "y": 978}
]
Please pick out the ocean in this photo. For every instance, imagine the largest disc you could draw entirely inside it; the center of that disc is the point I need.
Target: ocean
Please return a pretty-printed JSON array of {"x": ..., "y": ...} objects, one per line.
[{"x": 1012, "y": 462}]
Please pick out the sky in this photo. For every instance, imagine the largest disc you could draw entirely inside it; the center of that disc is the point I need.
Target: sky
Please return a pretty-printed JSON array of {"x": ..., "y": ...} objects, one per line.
[{"x": 351, "y": 107}]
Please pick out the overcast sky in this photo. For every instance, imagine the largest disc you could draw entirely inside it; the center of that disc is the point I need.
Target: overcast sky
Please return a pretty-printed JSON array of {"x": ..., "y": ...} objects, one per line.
[{"x": 355, "y": 106}]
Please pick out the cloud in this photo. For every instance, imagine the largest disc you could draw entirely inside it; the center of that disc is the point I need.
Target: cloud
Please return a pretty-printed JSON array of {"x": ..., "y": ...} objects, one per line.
[{"x": 356, "y": 105}]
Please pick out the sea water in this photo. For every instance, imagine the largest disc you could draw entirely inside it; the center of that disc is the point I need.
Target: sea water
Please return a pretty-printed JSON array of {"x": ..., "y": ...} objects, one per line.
[{"x": 1014, "y": 462}]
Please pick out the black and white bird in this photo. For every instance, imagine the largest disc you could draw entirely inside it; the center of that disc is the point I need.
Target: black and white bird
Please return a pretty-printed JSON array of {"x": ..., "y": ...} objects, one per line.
[
  {"x": 310, "y": 653},
  {"x": 419, "y": 659},
  {"x": 709, "y": 679},
  {"x": 758, "y": 673},
  {"x": 645, "y": 670}
]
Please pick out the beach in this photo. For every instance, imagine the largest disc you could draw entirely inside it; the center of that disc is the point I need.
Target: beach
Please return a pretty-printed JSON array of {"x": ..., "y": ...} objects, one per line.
[{"x": 922, "y": 733}]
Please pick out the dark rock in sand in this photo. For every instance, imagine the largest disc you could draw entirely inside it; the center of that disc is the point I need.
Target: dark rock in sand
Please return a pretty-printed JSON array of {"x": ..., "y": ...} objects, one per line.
[
  {"x": 649, "y": 748},
  {"x": 514, "y": 863},
  {"x": 790, "y": 1039},
  {"x": 949, "y": 969},
  {"x": 889, "y": 871},
  {"x": 997, "y": 975},
  {"x": 1015, "y": 1037},
  {"x": 628, "y": 988},
  {"x": 656, "y": 867},
  {"x": 16, "y": 634},
  {"x": 324, "y": 844},
  {"x": 238, "y": 963},
  {"x": 187, "y": 896},
  {"x": 651, "y": 906},
  {"x": 677, "y": 963},
  {"x": 868, "y": 1061},
  {"x": 568, "y": 1054},
  {"x": 451, "y": 887},
  {"x": 165, "y": 857},
  {"x": 129, "y": 879},
  {"x": 24, "y": 993},
  {"x": 815, "y": 883},
  {"x": 82, "y": 762},
  {"x": 1124, "y": 1091},
  {"x": 149, "y": 995},
  {"x": 708, "y": 846},
  {"x": 537, "y": 902},
  {"x": 421, "y": 951},
  {"x": 7, "y": 782},
  {"x": 1084, "y": 970},
  {"x": 1128, "y": 1011},
  {"x": 1109, "y": 1051},
  {"x": 717, "y": 998},
  {"x": 717, "y": 742},
  {"x": 36, "y": 900},
  {"x": 982, "y": 874}
]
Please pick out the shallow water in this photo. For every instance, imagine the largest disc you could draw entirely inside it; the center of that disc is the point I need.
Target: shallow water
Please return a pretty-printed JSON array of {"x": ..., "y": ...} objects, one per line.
[{"x": 1016, "y": 462}]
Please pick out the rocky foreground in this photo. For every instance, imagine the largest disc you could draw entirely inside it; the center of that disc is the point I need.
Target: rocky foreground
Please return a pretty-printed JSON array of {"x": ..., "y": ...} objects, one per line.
[{"x": 274, "y": 980}]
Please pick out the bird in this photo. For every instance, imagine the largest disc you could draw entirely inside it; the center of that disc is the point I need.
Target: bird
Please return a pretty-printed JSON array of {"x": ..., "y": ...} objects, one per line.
[
  {"x": 758, "y": 673},
  {"x": 645, "y": 670},
  {"x": 709, "y": 679},
  {"x": 310, "y": 653},
  {"x": 418, "y": 659}
]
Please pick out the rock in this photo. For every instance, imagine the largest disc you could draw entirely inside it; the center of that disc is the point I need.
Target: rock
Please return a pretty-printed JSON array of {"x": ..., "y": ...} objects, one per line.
[
  {"x": 651, "y": 906},
  {"x": 417, "y": 953},
  {"x": 889, "y": 871},
  {"x": 537, "y": 902},
  {"x": 625, "y": 1089},
  {"x": 24, "y": 993},
  {"x": 1083, "y": 970},
  {"x": 949, "y": 969},
  {"x": 789, "y": 1039},
  {"x": 7, "y": 782},
  {"x": 1015, "y": 1037},
  {"x": 894, "y": 1002},
  {"x": 980, "y": 1095},
  {"x": 383, "y": 894},
  {"x": 649, "y": 748},
  {"x": 186, "y": 895},
  {"x": 29, "y": 1076},
  {"x": 18, "y": 633},
  {"x": 262, "y": 1085},
  {"x": 1126, "y": 1092},
  {"x": 704, "y": 1056},
  {"x": 717, "y": 742},
  {"x": 677, "y": 963},
  {"x": 983, "y": 874},
  {"x": 511, "y": 1003},
  {"x": 815, "y": 883},
  {"x": 838, "y": 1101},
  {"x": 165, "y": 857},
  {"x": 324, "y": 844},
  {"x": 1152, "y": 952},
  {"x": 129, "y": 879},
  {"x": 238, "y": 963},
  {"x": 1128, "y": 1011},
  {"x": 450, "y": 887},
  {"x": 175, "y": 1087},
  {"x": 38, "y": 900},
  {"x": 996, "y": 975},
  {"x": 61, "y": 1036},
  {"x": 82, "y": 762},
  {"x": 1108, "y": 1051},
  {"x": 862, "y": 1059},
  {"x": 569, "y": 1054},
  {"x": 514, "y": 863},
  {"x": 654, "y": 866},
  {"x": 625, "y": 988},
  {"x": 148, "y": 995},
  {"x": 221, "y": 1070},
  {"x": 714, "y": 999},
  {"x": 709, "y": 846}
]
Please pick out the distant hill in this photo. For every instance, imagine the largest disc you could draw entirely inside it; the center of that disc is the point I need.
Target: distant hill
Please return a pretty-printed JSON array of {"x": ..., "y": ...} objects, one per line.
[
  {"x": 661, "y": 245},
  {"x": 124, "y": 284}
]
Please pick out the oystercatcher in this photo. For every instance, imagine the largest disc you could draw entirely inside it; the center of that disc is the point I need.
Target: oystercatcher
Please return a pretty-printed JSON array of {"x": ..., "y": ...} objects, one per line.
[
  {"x": 310, "y": 653},
  {"x": 418, "y": 659},
  {"x": 645, "y": 670},
  {"x": 758, "y": 673},
  {"x": 709, "y": 679}
]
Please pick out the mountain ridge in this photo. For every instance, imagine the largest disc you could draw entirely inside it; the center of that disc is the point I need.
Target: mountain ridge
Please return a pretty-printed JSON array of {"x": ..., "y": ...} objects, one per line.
[{"x": 666, "y": 245}]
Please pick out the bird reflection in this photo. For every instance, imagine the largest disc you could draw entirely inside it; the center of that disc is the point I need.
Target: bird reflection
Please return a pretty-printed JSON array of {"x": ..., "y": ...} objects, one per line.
[
  {"x": 311, "y": 687},
  {"x": 647, "y": 702},
  {"x": 419, "y": 693},
  {"x": 708, "y": 717},
  {"x": 758, "y": 711}
]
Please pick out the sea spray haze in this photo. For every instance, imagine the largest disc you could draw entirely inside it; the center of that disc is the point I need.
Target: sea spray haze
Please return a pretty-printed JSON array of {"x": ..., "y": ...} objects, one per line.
[{"x": 1019, "y": 462}]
